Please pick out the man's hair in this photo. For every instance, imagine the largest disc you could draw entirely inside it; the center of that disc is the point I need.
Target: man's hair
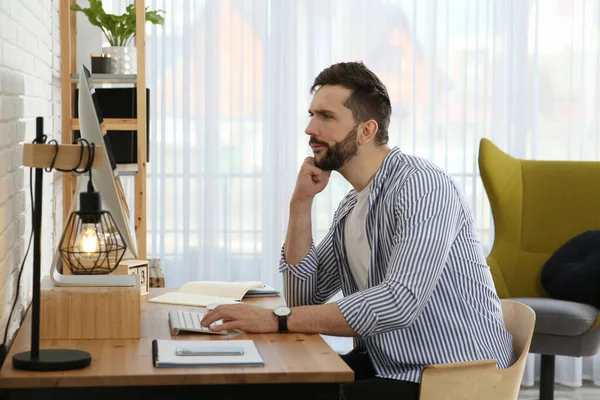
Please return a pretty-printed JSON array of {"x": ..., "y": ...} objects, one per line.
[{"x": 369, "y": 98}]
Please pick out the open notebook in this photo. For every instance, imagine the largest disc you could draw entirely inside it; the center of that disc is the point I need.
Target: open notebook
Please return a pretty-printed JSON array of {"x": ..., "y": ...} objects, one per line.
[
  {"x": 203, "y": 293},
  {"x": 165, "y": 353}
]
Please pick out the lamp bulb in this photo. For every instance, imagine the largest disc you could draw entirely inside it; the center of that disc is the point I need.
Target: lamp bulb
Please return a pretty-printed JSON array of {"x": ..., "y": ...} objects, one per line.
[{"x": 89, "y": 243}]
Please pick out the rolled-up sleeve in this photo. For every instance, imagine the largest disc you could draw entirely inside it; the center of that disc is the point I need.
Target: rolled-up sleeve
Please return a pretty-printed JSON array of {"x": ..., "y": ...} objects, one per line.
[
  {"x": 315, "y": 279},
  {"x": 428, "y": 214}
]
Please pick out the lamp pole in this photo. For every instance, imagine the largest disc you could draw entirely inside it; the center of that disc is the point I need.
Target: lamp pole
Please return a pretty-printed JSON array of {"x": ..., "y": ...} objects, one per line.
[{"x": 37, "y": 246}]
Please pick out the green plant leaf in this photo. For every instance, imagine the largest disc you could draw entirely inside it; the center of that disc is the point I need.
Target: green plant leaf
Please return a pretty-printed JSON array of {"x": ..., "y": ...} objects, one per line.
[
  {"x": 89, "y": 13},
  {"x": 96, "y": 7},
  {"x": 129, "y": 24},
  {"x": 105, "y": 21},
  {"x": 116, "y": 23},
  {"x": 118, "y": 29},
  {"x": 155, "y": 17}
]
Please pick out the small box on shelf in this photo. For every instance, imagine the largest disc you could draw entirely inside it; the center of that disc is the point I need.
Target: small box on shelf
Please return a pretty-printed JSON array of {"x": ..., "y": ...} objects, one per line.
[
  {"x": 100, "y": 63},
  {"x": 157, "y": 278},
  {"x": 135, "y": 267}
]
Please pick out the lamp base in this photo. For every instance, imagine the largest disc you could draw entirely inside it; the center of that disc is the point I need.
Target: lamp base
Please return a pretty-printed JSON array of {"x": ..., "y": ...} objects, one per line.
[{"x": 52, "y": 360}]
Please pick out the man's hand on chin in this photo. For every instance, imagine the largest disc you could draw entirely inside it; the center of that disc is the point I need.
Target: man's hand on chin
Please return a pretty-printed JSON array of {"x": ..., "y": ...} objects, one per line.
[{"x": 244, "y": 317}]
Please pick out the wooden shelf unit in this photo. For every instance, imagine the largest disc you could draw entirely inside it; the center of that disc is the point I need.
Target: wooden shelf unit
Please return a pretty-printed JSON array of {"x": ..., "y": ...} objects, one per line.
[{"x": 69, "y": 72}]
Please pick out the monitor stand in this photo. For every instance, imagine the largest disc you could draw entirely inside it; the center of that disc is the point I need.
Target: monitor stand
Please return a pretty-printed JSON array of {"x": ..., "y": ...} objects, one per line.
[{"x": 88, "y": 280}]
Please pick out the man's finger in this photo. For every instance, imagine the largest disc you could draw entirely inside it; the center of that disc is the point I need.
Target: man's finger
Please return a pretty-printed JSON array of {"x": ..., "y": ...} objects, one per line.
[
  {"x": 320, "y": 177},
  {"x": 207, "y": 316},
  {"x": 321, "y": 173},
  {"x": 217, "y": 309},
  {"x": 213, "y": 316},
  {"x": 226, "y": 326},
  {"x": 314, "y": 171}
]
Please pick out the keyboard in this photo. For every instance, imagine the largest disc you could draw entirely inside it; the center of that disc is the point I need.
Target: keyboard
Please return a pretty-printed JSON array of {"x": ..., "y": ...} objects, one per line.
[{"x": 190, "y": 322}]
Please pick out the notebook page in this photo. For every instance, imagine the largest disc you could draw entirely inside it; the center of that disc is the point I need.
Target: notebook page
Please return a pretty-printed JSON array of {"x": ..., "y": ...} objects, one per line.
[
  {"x": 232, "y": 290},
  {"x": 186, "y": 299}
]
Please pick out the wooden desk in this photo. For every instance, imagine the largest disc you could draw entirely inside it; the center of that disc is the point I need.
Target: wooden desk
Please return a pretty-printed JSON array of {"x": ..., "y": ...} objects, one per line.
[{"x": 294, "y": 364}]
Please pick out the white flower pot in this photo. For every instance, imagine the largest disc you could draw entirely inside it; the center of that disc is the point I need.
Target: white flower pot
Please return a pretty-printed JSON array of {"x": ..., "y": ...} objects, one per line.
[{"x": 123, "y": 59}]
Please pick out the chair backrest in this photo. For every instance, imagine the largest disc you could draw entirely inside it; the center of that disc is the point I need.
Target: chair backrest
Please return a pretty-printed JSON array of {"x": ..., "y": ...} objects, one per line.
[
  {"x": 537, "y": 207},
  {"x": 482, "y": 379}
]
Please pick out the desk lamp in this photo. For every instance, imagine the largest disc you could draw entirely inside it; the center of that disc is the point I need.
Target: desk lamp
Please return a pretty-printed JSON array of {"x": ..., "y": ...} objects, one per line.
[{"x": 38, "y": 156}]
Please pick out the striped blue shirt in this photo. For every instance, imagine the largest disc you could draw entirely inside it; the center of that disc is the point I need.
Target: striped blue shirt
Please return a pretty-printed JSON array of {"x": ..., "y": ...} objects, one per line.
[{"x": 430, "y": 298}]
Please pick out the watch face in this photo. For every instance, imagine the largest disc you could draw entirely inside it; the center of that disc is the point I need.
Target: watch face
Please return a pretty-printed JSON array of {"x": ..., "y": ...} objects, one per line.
[{"x": 282, "y": 311}]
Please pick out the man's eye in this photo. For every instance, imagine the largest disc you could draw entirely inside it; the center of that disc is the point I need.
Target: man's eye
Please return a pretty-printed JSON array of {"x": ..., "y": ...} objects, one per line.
[{"x": 325, "y": 116}]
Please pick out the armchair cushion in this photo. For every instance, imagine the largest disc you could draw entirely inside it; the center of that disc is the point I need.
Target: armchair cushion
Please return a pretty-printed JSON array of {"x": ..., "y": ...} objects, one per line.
[
  {"x": 560, "y": 318},
  {"x": 572, "y": 273}
]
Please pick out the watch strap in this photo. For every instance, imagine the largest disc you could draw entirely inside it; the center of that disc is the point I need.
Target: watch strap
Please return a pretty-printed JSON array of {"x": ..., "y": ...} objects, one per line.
[{"x": 282, "y": 320}]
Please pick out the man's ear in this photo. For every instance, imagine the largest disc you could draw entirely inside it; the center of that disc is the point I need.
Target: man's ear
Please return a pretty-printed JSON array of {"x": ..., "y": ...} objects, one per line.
[{"x": 368, "y": 131}]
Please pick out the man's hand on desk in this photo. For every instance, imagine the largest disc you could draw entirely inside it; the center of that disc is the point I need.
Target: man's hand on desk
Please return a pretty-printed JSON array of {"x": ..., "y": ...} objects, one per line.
[
  {"x": 244, "y": 317},
  {"x": 325, "y": 319}
]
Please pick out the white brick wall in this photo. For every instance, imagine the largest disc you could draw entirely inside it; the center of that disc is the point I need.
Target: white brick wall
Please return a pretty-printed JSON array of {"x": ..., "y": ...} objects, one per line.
[{"x": 29, "y": 87}]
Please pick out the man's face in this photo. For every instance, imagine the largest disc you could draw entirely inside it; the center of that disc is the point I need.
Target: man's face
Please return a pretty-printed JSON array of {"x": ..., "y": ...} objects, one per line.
[{"x": 332, "y": 129}]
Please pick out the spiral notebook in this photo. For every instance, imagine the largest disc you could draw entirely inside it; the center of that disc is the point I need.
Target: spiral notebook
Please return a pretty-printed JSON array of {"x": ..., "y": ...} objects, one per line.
[{"x": 164, "y": 353}]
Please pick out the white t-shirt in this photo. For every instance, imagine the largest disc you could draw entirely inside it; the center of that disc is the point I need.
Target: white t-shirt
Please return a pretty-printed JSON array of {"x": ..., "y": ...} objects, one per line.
[{"x": 355, "y": 239}]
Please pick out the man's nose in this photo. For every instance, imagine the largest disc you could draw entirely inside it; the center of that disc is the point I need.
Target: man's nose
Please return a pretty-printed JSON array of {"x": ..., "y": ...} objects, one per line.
[{"x": 311, "y": 128}]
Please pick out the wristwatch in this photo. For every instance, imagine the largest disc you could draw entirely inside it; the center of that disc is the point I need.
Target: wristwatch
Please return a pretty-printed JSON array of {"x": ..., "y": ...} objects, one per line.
[{"x": 282, "y": 313}]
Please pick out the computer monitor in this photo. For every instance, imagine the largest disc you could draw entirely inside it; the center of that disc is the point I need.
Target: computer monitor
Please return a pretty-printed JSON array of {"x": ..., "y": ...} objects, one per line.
[{"x": 107, "y": 182}]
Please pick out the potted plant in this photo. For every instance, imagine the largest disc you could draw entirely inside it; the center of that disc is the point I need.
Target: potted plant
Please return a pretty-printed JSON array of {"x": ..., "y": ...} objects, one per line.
[{"x": 119, "y": 30}]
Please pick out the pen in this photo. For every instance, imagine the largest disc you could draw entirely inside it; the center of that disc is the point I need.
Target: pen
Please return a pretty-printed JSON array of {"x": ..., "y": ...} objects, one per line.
[{"x": 154, "y": 352}]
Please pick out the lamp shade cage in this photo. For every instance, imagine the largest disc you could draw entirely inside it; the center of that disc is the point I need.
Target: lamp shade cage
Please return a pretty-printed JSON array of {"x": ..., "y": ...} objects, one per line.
[{"x": 91, "y": 243}]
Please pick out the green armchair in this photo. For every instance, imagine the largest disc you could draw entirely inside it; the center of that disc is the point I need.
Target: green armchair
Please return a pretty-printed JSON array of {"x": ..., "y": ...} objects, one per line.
[{"x": 537, "y": 207}]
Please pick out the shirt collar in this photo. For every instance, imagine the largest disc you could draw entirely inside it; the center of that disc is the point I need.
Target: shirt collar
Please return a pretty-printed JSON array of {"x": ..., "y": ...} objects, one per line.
[
  {"x": 386, "y": 167},
  {"x": 375, "y": 184}
]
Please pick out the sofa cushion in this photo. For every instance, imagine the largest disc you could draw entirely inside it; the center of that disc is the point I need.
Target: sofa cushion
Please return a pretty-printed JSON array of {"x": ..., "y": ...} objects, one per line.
[
  {"x": 572, "y": 273},
  {"x": 559, "y": 317}
]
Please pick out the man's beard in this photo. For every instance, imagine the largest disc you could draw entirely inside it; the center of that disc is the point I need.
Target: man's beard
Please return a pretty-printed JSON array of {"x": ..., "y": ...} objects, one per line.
[{"x": 339, "y": 153}]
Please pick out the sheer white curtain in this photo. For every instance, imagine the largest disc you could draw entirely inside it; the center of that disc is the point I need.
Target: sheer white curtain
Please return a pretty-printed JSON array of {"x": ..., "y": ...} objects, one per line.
[{"x": 229, "y": 84}]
